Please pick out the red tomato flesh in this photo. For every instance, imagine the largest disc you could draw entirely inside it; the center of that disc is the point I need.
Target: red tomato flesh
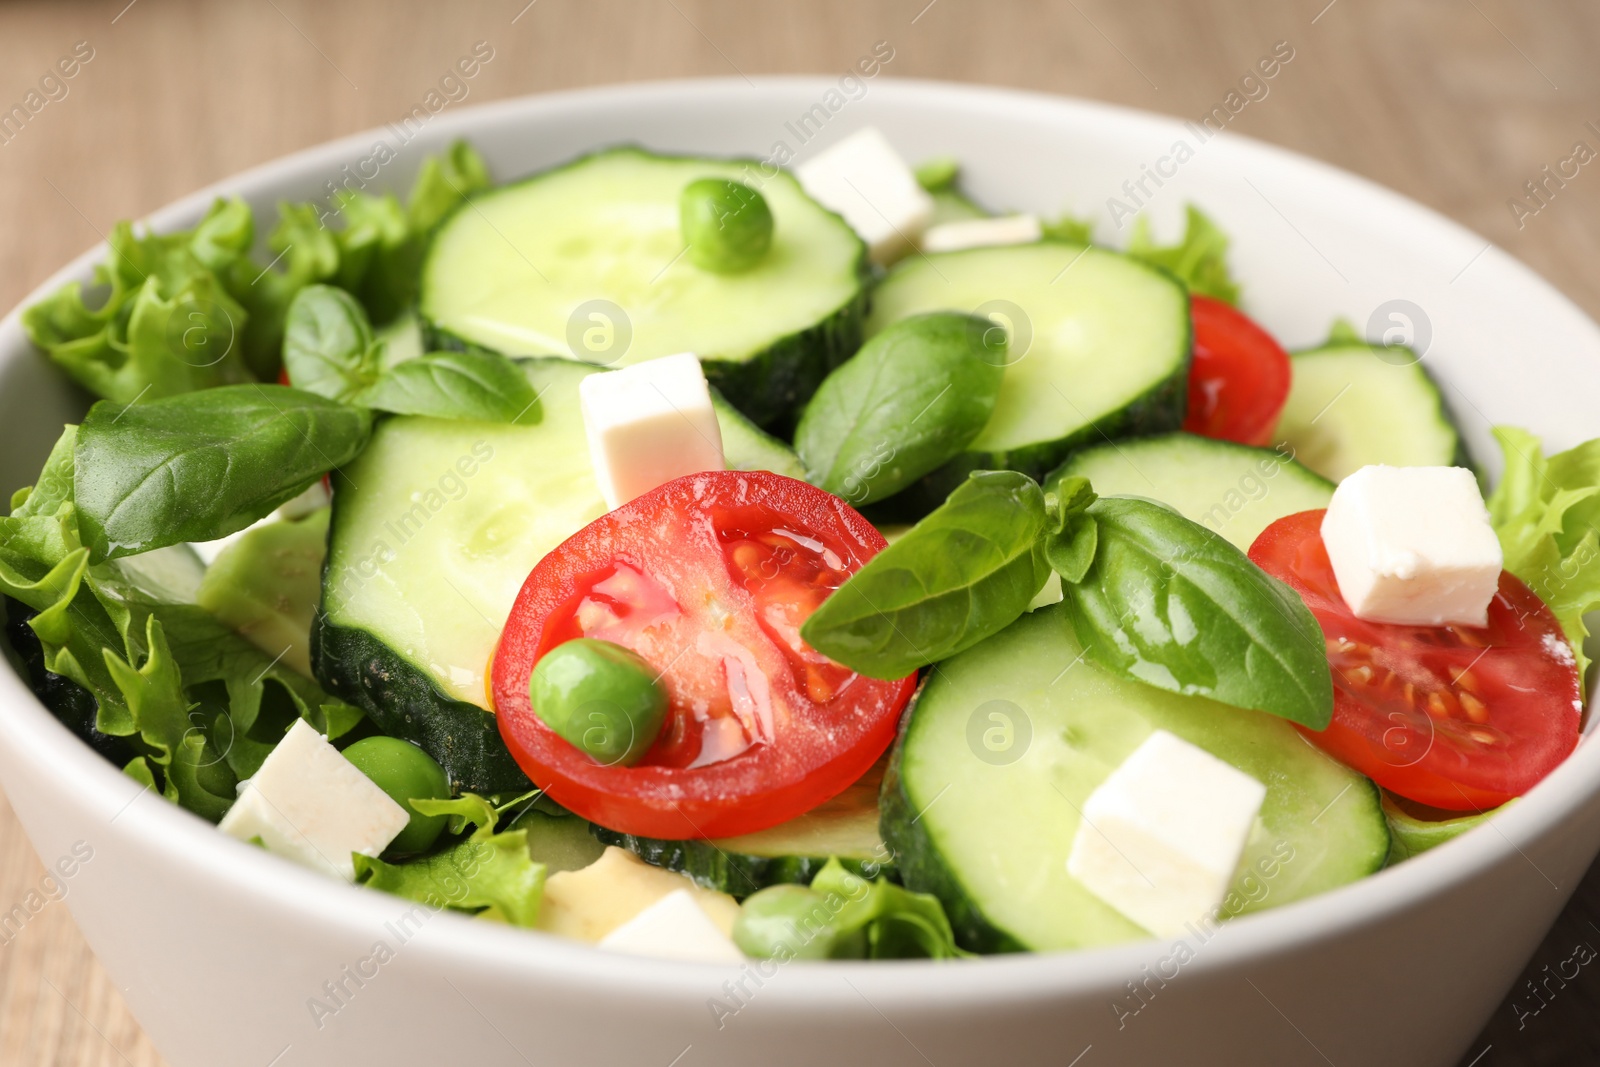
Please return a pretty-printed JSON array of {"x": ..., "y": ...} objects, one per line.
[
  {"x": 1457, "y": 717},
  {"x": 1240, "y": 375},
  {"x": 709, "y": 578}
]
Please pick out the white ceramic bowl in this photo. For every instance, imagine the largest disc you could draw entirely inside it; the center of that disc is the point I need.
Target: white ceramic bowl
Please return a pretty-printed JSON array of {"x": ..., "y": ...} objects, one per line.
[{"x": 219, "y": 947}]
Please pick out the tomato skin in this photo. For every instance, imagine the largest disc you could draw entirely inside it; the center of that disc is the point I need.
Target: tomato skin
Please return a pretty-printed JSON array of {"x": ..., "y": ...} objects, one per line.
[
  {"x": 1240, "y": 376},
  {"x": 675, "y": 550},
  {"x": 1462, "y": 718}
]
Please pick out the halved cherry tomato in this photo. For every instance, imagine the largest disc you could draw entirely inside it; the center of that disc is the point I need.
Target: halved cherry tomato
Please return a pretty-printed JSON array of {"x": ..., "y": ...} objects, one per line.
[
  {"x": 1458, "y": 717},
  {"x": 708, "y": 578},
  {"x": 1240, "y": 376}
]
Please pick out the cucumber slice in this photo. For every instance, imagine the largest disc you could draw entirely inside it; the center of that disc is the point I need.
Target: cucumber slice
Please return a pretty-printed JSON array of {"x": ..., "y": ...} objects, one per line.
[
  {"x": 1100, "y": 347},
  {"x": 989, "y": 831},
  {"x": 1356, "y": 404},
  {"x": 846, "y": 827},
  {"x": 1236, "y": 490},
  {"x": 435, "y": 527},
  {"x": 266, "y": 586},
  {"x": 747, "y": 447},
  {"x": 520, "y": 269}
]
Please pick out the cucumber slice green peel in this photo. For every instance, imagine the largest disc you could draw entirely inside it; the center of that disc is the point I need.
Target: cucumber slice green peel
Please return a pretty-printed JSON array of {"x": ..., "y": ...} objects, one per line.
[
  {"x": 435, "y": 526},
  {"x": 1024, "y": 722},
  {"x": 587, "y": 260},
  {"x": 1352, "y": 404},
  {"x": 1232, "y": 489},
  {"x": 1099, "y": 349},
  {"x": 844, "y": 828}
]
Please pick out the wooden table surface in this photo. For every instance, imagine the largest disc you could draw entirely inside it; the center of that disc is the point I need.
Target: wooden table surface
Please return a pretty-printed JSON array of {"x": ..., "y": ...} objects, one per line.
[{"x": 1456, "y": 103}]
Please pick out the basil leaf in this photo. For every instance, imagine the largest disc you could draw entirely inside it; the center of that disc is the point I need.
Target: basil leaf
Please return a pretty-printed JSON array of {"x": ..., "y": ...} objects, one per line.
[
  {"x": 914, "y": 397},
  {"x": 1070, "y": 497},
  {"x": 1169, "y": 603},
  {"x": 1073, "y": 538},
  {"x": 455, "y": 385},
  {"x": 1071, "y": 551},
  {"x": 327, "y": 343},
  {"x": 199, "y": 466},
  {"x": 966, "y": 571}
]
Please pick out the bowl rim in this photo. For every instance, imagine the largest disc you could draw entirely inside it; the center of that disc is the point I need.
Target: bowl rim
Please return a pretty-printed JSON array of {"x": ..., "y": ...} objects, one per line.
[{"x": 186, "y": 842}]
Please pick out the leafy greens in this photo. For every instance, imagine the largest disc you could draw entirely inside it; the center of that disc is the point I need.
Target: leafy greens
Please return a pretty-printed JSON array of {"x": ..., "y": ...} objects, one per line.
[
  {"x": 961, "y": 574},
  {"x": 485, "y": 873},
  {"x": 203, "y": 465},
  {"x": 170, "y": 313},
  {"x": 1199, "y": 261},
  {"x": 842, "y": 915},
  {"x": 1151, "y": 595},
  {"x": 1546, "y": 512},
  {"x": 198, "y": 705}
]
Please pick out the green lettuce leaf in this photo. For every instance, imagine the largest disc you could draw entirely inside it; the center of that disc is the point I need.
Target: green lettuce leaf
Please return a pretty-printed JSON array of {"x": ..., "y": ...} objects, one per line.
[
  {"x": 1199, "y": 261},
  {"x": 843, "y": 915},
  {"x": 1415, "y": 828},
  {"x": 486, "y": 873},
  {"x": 1343, "y": 332},
  {"x": 166, "y": 324},
  {"x": 1545, "y": 512},
  {"x": 303, "y": 252},
  {"x": 443, "y": 182},
  {"x": 898, "y": 922},
  {"x": 169, "y": 313},
  {"x": 1068, "y": 228},
  {"x": 199, "y": 704}
]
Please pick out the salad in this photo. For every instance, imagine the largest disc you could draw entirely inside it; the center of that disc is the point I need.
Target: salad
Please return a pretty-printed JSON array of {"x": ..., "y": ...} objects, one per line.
[{"x": 715, "y": 562}]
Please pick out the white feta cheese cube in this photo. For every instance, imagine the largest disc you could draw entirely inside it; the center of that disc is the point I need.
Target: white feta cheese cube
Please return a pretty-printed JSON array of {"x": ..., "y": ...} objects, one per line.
[
  {"x": 866, "y": 182},
  {"x": 674, "y": 928},
  {"x": 981, "y": 233},
  {"x": 648, "y": 424},
  {"x": 309, "y": 804},
  {"x": 1162, "y": 836},
  {"x": 1413, "y": 545}
]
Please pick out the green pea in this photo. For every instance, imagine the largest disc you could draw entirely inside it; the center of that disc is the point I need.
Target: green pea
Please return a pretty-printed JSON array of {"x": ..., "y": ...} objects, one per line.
[
  {"x": 601, "y": 698},
  {"x": 792, "y": 922},
  {"x": 726, "y": 224},
  {"x": 406, "y": 773}
]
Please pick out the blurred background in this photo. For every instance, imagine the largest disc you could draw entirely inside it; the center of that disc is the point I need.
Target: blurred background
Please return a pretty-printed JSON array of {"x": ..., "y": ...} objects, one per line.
[{"x": 1459, "y": 104}]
